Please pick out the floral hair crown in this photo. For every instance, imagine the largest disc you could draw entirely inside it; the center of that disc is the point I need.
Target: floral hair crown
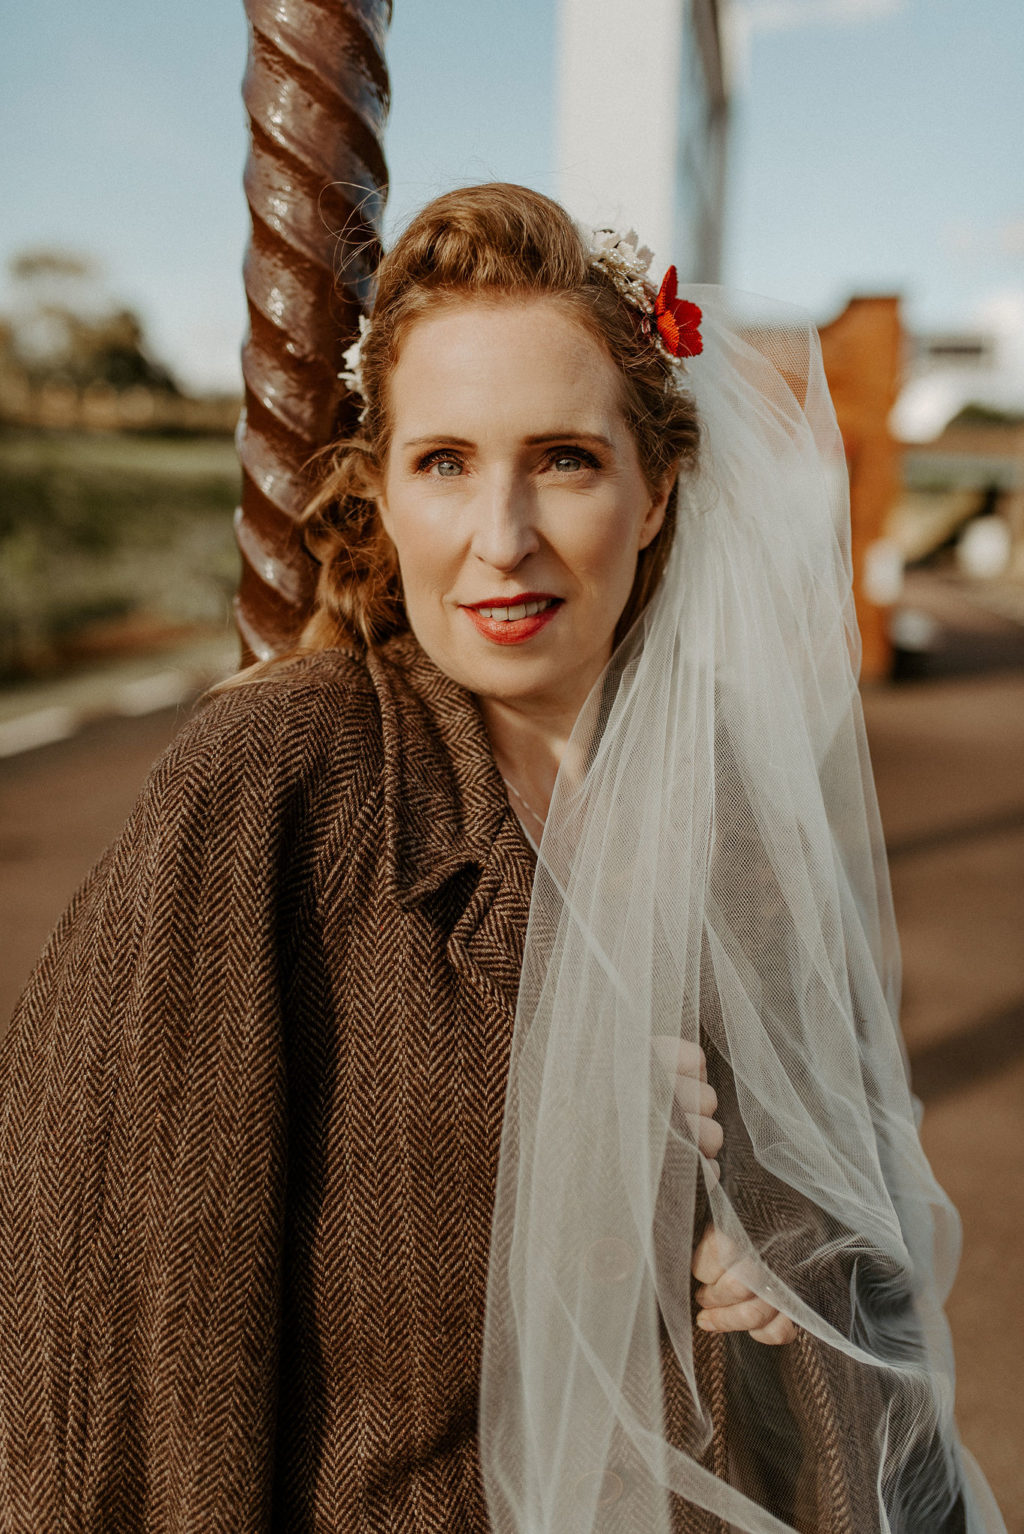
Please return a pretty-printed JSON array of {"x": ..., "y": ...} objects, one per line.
[{"x": 672, "y": 323}]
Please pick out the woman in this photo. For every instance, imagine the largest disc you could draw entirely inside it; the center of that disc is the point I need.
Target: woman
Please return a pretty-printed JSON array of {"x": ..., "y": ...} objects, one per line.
[{"x": 394, "y": 1001}]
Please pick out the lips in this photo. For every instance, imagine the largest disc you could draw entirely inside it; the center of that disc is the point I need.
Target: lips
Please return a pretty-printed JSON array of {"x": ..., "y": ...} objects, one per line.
[
  {"x": 510, "y": 612},
  {"x": 509, "y": 620}
]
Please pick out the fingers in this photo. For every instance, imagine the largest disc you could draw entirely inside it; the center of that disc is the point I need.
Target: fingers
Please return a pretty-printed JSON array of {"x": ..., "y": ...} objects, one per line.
[
  {"x": 728, "y": 1303},
  {"x": 695, "y": 1096},
  {"x": 706, "y": 1264},
  {"x": 707, "y": 1132},
  {"x": 680, "y": 1056},
  {"x": 777, "y": 1331},
  {"x": 712, "y": 1255},
  {"x": 699, "y": 1103},
  {"x": 730, "y": 1288},
  {"x": 746, "y": 1316},
  {"x": 687, "y": 1063},
  {"x": 763, "y": 1322}
]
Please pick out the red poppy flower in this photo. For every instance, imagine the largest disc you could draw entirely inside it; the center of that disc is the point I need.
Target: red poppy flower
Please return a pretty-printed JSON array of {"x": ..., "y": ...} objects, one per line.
[{"x": 677, "y": 319}]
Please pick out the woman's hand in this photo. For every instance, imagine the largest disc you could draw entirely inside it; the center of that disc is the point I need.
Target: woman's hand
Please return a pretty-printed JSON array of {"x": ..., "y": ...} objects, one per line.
[
  {"x": 728, "y": 1303},
  {"x": 687, "y": 1064}
]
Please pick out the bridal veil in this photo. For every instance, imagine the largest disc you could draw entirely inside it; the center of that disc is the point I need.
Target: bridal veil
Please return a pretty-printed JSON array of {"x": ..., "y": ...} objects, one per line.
[{"x": 712, "y": 870}]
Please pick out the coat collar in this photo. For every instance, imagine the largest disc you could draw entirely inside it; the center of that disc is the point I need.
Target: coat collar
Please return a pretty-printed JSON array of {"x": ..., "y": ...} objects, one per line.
[
  {"x": 445, "y": 810},
  {"x": 445, "y": 805}
]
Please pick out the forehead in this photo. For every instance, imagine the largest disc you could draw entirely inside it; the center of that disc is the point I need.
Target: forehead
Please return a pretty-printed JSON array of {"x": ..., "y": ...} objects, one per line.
[{"x": 514, "y": 362}]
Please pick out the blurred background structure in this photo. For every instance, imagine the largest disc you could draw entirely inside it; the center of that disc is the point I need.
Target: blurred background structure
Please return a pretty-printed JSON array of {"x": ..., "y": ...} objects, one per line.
[
  {"x": 649, "y": 145},
  {"x": 858, "y": 157}
]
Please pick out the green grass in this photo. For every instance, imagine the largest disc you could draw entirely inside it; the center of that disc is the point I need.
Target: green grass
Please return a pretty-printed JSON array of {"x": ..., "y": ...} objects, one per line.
[{"x": 98, "y": 530}]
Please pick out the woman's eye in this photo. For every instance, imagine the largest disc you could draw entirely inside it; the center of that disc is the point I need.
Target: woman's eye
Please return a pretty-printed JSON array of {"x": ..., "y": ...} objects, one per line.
[
  {"x": 571, "y": 462},
  {"x": 447, "y": 466}
]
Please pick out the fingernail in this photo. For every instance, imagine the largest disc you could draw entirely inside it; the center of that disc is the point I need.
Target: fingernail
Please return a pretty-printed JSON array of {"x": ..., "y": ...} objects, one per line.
[{"x": 705, "y": 1323}]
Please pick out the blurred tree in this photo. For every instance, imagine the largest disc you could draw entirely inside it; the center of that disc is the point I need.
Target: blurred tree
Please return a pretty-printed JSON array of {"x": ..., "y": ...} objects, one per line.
[
  {"x": 8, "y": 359},
  {"x": 65, "y": 328},
  {"x": 49, "y": 263}
]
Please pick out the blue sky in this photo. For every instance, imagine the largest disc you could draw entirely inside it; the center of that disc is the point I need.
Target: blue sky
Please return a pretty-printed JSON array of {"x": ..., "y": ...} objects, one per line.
[{"x": 877, "y": 147}]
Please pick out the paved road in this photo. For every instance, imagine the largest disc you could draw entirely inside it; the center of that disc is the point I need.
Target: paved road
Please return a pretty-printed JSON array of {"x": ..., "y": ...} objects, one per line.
[
  {"x": 948, "y": 755},
  {"x": 949, "y": 764}
]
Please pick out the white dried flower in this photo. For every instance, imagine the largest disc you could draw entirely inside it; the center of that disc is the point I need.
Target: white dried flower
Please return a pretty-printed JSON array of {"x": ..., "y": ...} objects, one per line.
[
  {"x": 352, "y": 374},
  {"x": 625, "y": 263}
]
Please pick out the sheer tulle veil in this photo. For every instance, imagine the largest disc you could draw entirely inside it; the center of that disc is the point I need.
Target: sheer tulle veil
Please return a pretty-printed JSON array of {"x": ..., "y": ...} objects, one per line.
[{"x": 712, "y": 870}]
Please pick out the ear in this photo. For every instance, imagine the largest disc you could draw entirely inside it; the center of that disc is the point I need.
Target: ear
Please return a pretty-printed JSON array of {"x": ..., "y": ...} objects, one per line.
[
  {"x": 655, "y": 516},
  {"x": 372, "y": 489},
  {"x": 382, "y": 511}
]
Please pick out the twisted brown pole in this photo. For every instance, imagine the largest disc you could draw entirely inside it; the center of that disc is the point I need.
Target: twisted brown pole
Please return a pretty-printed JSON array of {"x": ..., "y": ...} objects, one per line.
[{"x": 316, "y": 91}]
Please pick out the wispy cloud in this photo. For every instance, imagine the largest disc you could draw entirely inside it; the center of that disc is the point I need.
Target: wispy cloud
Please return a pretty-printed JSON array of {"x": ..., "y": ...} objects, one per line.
[
  {"x": 986, "y": 242},
  {"x": 1011, "y": 237},
  {"x": 746, "y": 18},
  {"x": 782, "y": 15}
]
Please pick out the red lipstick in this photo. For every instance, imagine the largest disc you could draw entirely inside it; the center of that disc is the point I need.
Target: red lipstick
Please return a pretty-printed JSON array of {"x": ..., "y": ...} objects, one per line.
[{"x": 512, "y": 630}]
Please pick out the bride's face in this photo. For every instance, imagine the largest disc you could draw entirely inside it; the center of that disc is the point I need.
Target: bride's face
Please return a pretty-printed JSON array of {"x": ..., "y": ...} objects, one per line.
[{"x": 513, "y": 494}]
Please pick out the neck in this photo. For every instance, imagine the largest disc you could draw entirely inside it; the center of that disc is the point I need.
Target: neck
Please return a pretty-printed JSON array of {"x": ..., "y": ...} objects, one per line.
[
  {"x": 529, "y": 737},
  {"x": 528, "y": 746}
]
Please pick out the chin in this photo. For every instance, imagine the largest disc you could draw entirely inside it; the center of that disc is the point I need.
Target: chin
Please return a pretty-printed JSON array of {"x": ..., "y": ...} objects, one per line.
[
  {"x": 562, "y": 679},
  {"x": 504, "y": 675},
  {"x": 557, "y": 670}
]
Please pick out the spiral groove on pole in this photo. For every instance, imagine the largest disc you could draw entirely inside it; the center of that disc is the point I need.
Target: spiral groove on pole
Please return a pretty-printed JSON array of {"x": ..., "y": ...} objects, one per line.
[{"x": 316, "y": 91}]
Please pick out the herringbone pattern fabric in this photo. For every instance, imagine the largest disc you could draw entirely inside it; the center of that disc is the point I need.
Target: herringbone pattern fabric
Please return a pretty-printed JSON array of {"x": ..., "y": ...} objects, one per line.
[{"x": 250, "y": 1108}]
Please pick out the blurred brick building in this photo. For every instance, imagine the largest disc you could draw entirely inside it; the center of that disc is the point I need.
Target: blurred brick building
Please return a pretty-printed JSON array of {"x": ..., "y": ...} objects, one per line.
[{"x": 863, "y": 351}]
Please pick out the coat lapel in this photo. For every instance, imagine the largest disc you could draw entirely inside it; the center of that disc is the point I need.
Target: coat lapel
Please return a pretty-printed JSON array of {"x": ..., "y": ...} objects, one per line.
[
  {"x": 486, "y": 945},
  {"x": 446, "y": 814}
]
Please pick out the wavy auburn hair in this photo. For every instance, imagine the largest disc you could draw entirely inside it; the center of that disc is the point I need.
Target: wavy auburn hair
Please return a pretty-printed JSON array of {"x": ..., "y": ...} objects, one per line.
[{"x": 494, "y": 241}]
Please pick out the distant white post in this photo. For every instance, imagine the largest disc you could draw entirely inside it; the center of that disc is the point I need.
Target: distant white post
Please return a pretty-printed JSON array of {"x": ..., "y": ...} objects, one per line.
[{"x": 642, "y": 109}]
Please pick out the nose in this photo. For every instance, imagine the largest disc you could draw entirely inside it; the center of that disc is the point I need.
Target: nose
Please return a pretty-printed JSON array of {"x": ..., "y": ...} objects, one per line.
[{"x": 504, "y": 530}]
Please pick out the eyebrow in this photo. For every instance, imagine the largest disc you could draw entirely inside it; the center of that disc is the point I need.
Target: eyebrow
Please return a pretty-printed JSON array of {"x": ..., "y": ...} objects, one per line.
[
  {"x": 540, "y": 437},
  {"x": 576, "y": 436}
]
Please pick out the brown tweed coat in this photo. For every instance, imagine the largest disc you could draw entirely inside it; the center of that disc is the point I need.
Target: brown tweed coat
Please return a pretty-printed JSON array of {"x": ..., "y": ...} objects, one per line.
[{"x": 250, "y": 1107}]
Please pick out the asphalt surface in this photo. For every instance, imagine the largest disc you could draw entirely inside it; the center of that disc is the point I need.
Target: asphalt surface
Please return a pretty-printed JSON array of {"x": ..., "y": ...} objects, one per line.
[
  {"x": 948, "y": 751},
  {"x": 949, "y": 767}
]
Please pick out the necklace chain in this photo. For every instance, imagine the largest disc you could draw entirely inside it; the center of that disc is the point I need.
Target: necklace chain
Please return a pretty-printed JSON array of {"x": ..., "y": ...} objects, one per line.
[{"x": 526, "y": 805}]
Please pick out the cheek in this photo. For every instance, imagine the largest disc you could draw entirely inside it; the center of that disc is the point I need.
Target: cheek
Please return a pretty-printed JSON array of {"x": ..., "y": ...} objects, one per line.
[
  {"x": 605, "y": 545},
  {"x": 422, "y": 542}
]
